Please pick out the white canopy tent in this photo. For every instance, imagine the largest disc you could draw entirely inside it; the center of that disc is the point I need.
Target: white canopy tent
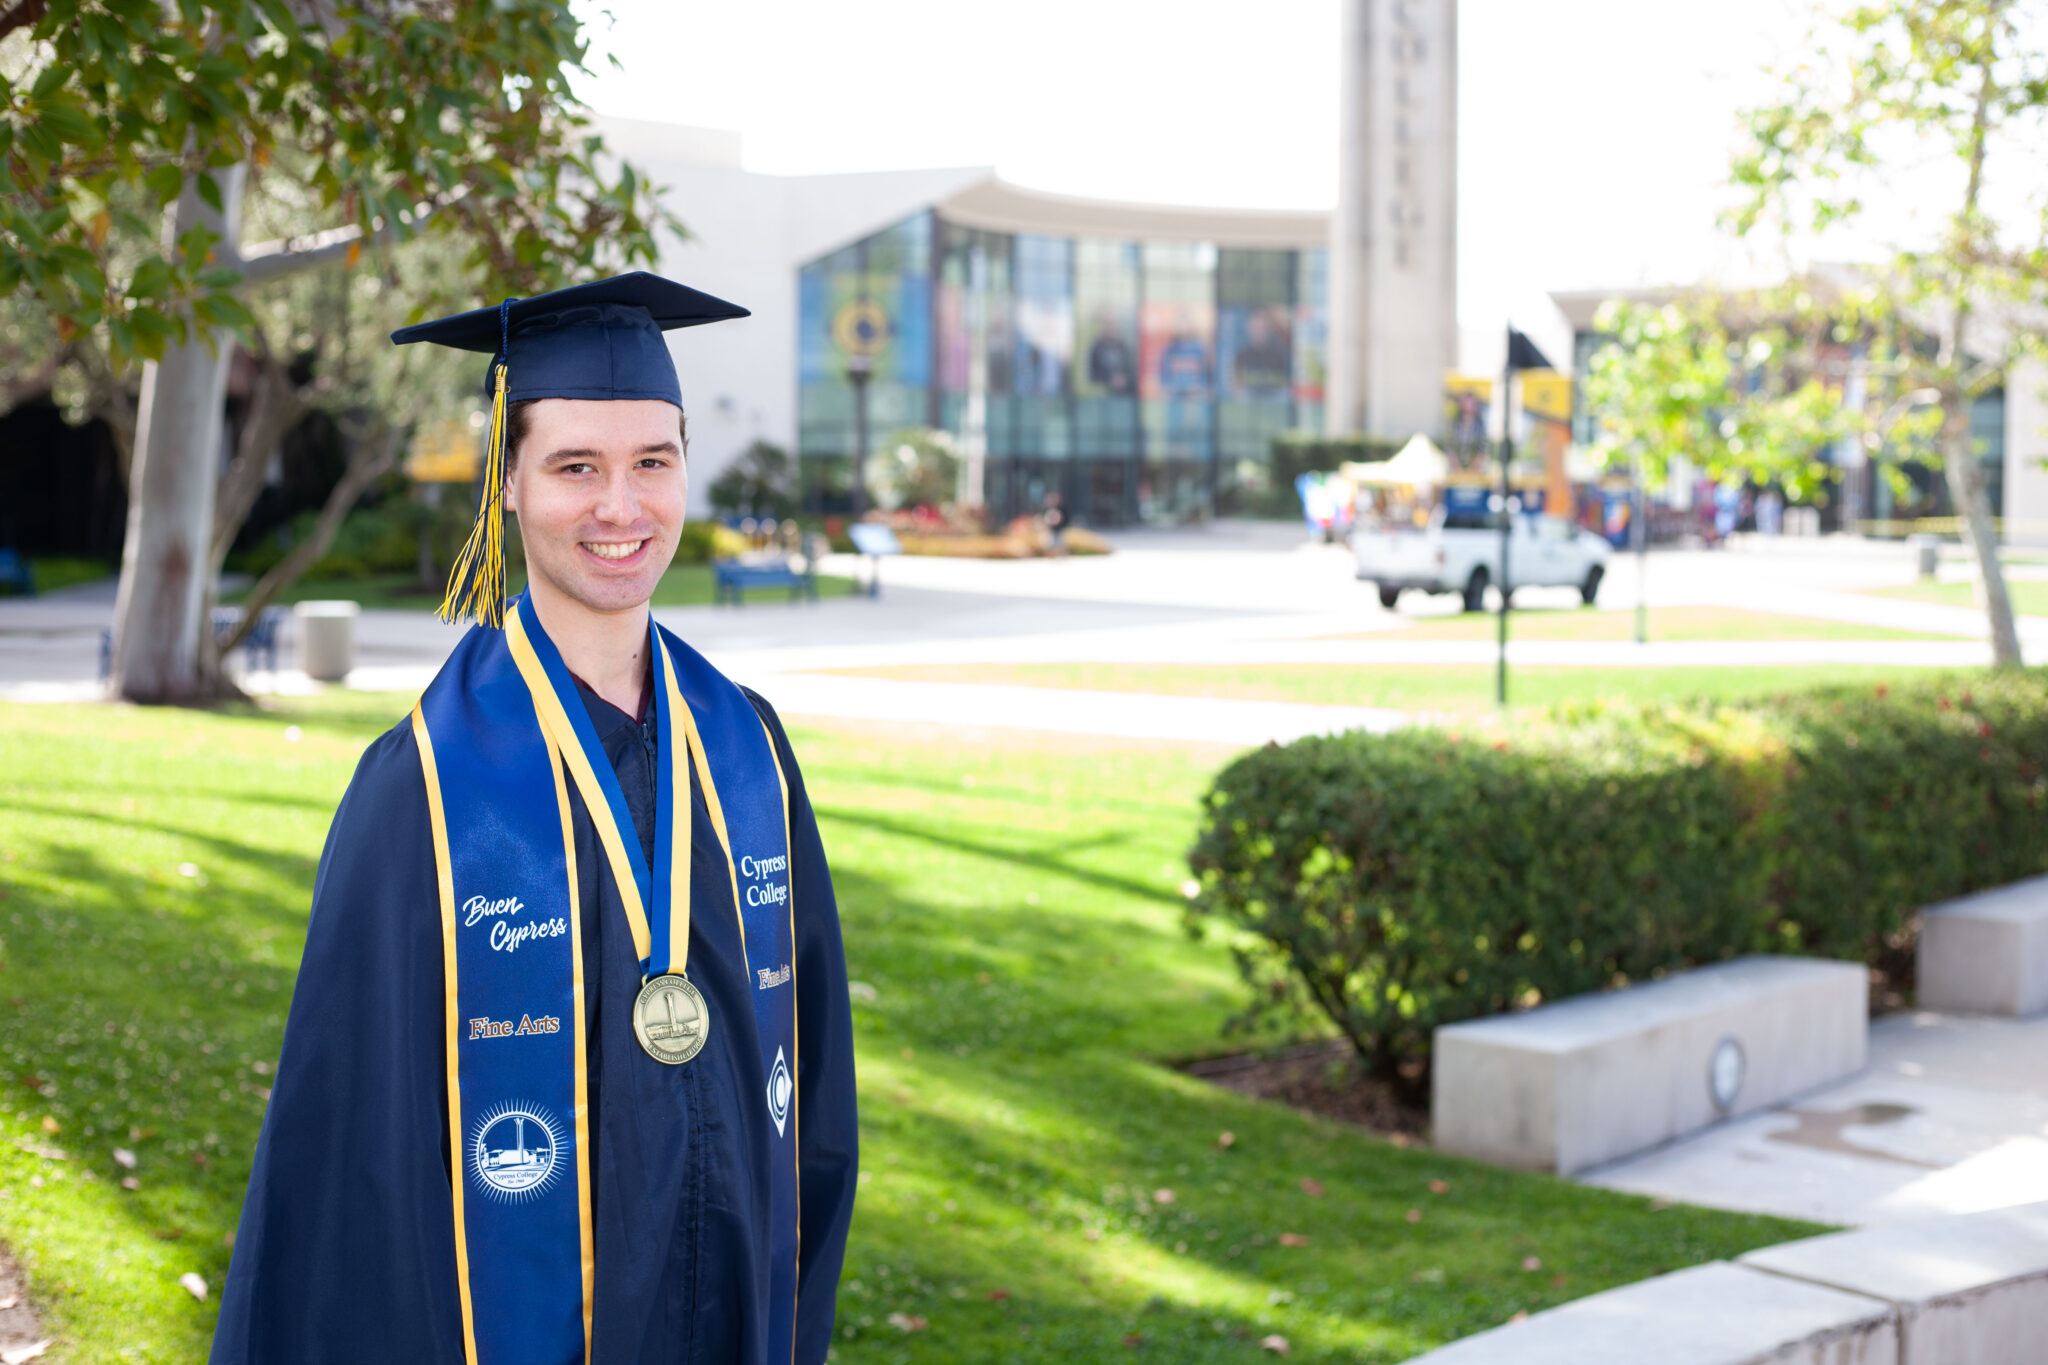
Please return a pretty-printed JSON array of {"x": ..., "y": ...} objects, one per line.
[{"x": 1420, "y": 464}]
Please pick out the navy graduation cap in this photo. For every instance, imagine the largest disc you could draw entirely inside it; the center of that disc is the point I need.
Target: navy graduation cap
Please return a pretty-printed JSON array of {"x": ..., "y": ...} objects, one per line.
[{"x": 600, "y": 341}]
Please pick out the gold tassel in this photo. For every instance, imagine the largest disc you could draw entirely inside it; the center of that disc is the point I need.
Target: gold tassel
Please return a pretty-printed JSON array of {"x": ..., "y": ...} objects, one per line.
[{"x": 476, "y": 586}]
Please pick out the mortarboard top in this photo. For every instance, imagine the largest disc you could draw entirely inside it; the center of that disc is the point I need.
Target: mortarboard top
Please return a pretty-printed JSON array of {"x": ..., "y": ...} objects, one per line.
[{"x": 601, "y": 341}]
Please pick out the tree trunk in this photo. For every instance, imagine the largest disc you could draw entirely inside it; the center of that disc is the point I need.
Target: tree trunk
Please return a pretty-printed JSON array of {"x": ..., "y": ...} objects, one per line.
[
  {"x": 1959, "y": 461},
  {"x": 161, "y": 634},
  {"x": 1966, "y": 487},
  {"x": 372, "y": 454},
  {"x": 274, "y": 407}
]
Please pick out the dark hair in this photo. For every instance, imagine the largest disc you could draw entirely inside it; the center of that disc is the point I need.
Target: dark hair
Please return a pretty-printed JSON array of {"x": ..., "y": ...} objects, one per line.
[{"x": 517, "y": 422}]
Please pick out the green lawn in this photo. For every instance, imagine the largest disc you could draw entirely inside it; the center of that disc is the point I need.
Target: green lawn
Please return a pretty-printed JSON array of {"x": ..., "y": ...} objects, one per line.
[
  {"x": 684, "y": 585},
  {"x": 1014, "y": 904},
  {"x": 1452, "y": 689},
  {"x": 2029, "y": 595},
  {"x": 1665, "y": 623}
]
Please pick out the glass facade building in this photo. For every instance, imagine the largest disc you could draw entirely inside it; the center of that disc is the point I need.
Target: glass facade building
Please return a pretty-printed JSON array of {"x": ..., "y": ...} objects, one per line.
[{"x": 1140, "y": 380}]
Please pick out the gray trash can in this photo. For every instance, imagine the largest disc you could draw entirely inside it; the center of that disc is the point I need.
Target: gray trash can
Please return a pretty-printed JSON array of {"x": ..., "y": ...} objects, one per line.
[
  {"x": 1926, "y": 554},
  {"x": 327, "y": 639}
]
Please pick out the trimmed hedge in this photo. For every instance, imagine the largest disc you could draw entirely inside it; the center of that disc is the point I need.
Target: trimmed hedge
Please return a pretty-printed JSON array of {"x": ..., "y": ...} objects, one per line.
[{"x": 1398, "y": 882}]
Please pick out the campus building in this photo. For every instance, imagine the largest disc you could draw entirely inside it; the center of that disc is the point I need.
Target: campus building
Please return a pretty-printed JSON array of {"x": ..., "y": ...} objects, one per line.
[
  {"x": 1137, "y": 359},
  {"x": 2008, "y": 425}
]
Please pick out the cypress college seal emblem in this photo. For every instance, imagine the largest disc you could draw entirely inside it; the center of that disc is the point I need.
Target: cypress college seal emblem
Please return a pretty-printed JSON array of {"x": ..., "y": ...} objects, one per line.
[{"x": 516, "y": 1151}]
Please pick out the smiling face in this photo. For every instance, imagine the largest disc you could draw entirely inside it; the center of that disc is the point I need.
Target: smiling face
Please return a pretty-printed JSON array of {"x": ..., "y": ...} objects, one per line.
[{"x": 599, "y": 489}]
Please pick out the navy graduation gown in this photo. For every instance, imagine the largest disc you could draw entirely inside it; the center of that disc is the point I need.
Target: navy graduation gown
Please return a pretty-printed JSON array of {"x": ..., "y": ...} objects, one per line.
[{"x": 347, "y": 1246}]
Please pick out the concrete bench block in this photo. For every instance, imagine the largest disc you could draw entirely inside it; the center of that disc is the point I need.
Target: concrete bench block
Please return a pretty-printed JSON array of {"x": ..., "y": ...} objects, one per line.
[
  {"x": 1578, "y": 1082},
  {"x": 1714, "y": 1314},
  {"x": 1987, "y": 953},
  {"x": 1968, "y": 1290}
]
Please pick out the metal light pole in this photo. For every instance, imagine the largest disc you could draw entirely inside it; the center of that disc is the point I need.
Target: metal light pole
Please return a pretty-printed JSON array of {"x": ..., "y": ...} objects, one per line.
[
  {"x": 1639, "y": 528},
  {"x": 1507, "y": 513},
  {"x": 860, "y": 367},
  {"x": 1522, "y": 355}
]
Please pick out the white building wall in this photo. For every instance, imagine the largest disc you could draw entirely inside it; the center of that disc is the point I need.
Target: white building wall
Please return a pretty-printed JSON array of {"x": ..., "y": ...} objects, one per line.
[
  {"x": 748, "y": 235},
  {"x": 2026, "y": 450}
]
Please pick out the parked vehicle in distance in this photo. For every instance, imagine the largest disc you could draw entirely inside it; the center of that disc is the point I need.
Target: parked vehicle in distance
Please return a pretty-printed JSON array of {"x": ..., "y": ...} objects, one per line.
[{"x": 1459, "y": 551}]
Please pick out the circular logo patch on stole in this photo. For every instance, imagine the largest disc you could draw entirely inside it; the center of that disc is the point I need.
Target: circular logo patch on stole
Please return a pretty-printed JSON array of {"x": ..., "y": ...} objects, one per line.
[{"x": 516, "y": 1152}]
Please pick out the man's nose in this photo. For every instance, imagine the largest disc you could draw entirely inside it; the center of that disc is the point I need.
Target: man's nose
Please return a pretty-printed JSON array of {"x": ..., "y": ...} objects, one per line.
[{"x": 617, "y": 502}]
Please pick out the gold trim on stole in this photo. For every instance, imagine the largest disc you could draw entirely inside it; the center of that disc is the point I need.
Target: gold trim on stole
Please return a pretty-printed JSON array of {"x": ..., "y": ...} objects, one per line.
[
  {"x": 583, "y": 1220},
  {"x": 445, "y": 875},
  {"x": 796, "y": 1025},
  {"x": 702, "y": 761}
]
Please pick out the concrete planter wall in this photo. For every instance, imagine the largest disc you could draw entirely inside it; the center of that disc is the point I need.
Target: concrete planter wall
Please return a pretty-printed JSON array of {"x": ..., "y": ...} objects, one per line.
[
  {"x": 1597, "y": 1077},
  {"x": 1967, "y": 1290}
]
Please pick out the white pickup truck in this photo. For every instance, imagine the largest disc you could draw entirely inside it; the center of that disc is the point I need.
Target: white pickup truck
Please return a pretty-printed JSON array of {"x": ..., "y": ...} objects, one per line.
[{"x": 1459, "y": 551}]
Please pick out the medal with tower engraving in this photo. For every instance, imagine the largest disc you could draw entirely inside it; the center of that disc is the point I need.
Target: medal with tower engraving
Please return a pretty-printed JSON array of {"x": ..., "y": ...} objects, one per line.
[{"x": 670, "y": 1019}]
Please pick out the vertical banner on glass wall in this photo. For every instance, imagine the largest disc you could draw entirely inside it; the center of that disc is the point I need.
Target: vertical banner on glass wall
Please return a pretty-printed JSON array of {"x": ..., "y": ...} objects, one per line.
[
  {"x": 1311, "y": 332},
  {"x": 1045, "y": 315},
  {"x": 1466, "y": 400},
  {"x": 1255, "y": 351},
  {"x": 1174, "y": 367}
]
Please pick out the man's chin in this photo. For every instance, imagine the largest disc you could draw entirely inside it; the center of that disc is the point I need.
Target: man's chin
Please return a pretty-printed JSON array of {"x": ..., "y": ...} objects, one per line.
[
  {"x": 605, "y": 595},
  {"x": 614, "y": 594}
]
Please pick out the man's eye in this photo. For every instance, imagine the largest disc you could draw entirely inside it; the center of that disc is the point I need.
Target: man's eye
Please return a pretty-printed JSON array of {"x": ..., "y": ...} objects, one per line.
[{"x": 578, "y": 468}]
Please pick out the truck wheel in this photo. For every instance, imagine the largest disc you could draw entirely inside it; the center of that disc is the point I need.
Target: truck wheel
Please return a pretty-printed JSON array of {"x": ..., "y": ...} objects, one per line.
[
  {"x": 1590, "y": 589},
  {"x": 1475, "y": 590},
  {"x": 1389, "y": 595}
]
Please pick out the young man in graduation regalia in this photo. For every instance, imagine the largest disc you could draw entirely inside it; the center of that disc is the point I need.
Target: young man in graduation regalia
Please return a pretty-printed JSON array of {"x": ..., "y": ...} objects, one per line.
[{"x": 569, "y": 1070}]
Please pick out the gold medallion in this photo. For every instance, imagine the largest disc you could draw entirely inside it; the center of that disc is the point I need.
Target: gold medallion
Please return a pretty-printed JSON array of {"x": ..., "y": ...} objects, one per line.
[{"x": 670, "y": 1019}]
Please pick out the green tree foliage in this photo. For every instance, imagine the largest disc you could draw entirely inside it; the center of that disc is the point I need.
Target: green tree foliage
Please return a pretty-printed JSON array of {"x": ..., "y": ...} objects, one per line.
[
  {"x": 760, "y": 483},
  {"x": 138, "y": 136},
  {"x": 914, "y": 467},
  {"x": 452, "y": 113},
  {"x": 1890, "y": 99},
  {"x": 1684, "y": 381}
]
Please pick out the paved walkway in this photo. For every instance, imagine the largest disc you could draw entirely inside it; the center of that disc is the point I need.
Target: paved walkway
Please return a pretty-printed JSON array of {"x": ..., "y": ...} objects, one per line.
[
  {"x": 1248, "y": 594},
  {"x": 1950, "y": 1116}
]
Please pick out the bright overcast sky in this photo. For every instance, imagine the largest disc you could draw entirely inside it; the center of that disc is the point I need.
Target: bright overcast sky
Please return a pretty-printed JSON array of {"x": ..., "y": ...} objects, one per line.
[{"x": 1594, "y": 134}]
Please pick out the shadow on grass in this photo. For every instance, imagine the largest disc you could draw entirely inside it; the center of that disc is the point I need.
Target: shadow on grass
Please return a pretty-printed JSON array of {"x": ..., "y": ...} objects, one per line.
[
  {"x": 296, "y": 867},
  {"x": 990, "y": 1170},
  {"x": 145, "y": 1018},
  {"x": 1037, "y": 861},
  {"x": 1046, "y": 1182}
]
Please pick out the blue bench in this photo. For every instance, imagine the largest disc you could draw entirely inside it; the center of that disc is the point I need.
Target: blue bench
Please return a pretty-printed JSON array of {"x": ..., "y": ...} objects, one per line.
[
  {"x": 732, "y": 577},
  {"x": 260, "y": 642},
  {"x": 15, "y": 571}
]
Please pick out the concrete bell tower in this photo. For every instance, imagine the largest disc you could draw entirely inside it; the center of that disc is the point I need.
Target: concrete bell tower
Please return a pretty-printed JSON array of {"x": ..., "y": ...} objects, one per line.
[{"x": 1394, "y": 237}]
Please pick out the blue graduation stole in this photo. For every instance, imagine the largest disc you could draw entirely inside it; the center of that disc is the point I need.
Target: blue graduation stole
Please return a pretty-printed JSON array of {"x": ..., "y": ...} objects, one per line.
[{"x": 502, "y": 731}]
